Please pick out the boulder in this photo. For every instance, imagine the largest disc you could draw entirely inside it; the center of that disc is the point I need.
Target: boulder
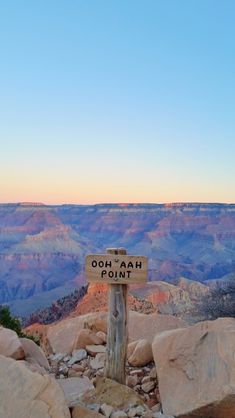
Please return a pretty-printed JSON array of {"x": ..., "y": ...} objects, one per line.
[
  {"x": 25, "y": 394},
  {"x": 10, "y": 345},
  {"x": 34, "y": 353},
  {"x": 62, "y": 336},
  {"x": 98, "y": 361},
  {"x": 139, "y": 353},
  {"x": 196, "y": 369},
  {"x": 142, "y": 326},
  {"x": 87, "y": 337},
  {"x": 95, "y": 349},
  {"x": 77, "y": 355},
  {"x": 111, "y": 393},
  {"x": 74, "y": 388}
]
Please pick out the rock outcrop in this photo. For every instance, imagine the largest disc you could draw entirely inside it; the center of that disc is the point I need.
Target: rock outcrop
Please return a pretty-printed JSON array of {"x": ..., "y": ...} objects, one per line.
[
  {"x": 196, "y": 370},
  {"x": 10, "y": 345},
  {"x": 25, "y": 394}
]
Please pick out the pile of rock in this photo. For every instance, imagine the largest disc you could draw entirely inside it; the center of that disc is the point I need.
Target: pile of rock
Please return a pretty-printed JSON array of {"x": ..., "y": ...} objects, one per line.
[
  {"x": 184, "y": 372},
  {"x": 71, "y": 384}
]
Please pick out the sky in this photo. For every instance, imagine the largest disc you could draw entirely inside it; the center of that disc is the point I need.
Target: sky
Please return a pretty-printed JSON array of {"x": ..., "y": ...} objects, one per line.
[{"x": 117, "y": 101}]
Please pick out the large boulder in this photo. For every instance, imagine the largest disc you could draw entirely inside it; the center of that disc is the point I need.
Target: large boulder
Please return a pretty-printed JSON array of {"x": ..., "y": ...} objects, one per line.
[
  {"x": 10, "y": 345},
  {"x": 139, "y": 353},
  {"x": 142, "y": 326},
  {"x": 109, "y": 392},
  {"x": 196, "y": 369},
  {"x": 62, "y": 336},
  {"x": 34, "y": 353},
  {"x": 87, "y": 337},
  {"x": 24, "y": 394},
  {"x": 74, "y": 388}
]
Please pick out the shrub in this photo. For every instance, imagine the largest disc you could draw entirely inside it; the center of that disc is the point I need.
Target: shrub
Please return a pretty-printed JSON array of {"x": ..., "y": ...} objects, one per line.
[
  {"x": 220, "y": 302},
  {"x": 9, "y": 321}
]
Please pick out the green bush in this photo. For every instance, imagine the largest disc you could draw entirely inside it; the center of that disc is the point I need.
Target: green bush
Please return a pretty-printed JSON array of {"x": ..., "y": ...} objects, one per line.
[{"x": 8, "y": 321}]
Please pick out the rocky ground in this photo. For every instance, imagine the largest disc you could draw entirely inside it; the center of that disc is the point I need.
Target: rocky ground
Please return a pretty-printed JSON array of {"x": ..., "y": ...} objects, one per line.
[{"x": 173, "y": 370}]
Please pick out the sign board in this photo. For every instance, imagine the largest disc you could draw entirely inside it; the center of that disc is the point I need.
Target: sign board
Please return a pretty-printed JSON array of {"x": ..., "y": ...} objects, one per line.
[{"x": 121, "y": 269}]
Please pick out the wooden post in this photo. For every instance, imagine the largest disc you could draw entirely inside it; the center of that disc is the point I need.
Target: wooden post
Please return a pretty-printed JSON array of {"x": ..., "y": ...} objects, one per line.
[{"x": 117, "y": 337}]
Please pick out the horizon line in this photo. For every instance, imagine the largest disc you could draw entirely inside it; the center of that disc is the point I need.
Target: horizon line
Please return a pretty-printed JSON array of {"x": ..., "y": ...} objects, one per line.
[{"x": 35, "y": 203}]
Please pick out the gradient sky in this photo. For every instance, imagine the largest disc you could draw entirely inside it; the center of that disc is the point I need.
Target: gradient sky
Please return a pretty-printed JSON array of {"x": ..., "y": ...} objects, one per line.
[{"x": 117, "y": 101}]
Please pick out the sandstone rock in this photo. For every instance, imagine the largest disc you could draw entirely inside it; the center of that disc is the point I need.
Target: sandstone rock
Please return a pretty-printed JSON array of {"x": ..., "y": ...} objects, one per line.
[
  {"x": 82, "y": 412},
  {"x": 96, "y": 322},
  {"x": 139, "y": 353},
  {"x": 34, "y": 353},
  {"x": 102, "y": 335},
  {"x": 106, "y": 410},
  {"x": 62, "y": 336},
  {"x": 148, "y": 386},
  {"x": 131, "y": 413},
  {"x": 24, "y": 394},
  {"x": 98, "y": 361},
  {"x": 78, "y": 367},
  {"x": 87, "y": 337},
  {"x": 74, "y": 388},
  {"x": 77, "y": 356},
  {"x": 95, "y": 349},
  {"x": 10, "y": 345},
  {"x": 112, "y": 393},
  {"x": 142, "y": 326},
  {"x": 195, "y": 368},
  {"x": 132, "y": 381},
  {"x": 57, "y": 357}
]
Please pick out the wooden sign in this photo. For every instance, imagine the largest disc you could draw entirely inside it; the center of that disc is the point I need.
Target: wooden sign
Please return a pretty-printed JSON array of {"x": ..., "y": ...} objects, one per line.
[{"x": 116, "y": 269}]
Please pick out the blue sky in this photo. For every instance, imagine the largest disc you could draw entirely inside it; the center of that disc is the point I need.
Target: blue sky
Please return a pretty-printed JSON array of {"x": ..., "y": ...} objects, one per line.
[{"x": 117, "y": 101}]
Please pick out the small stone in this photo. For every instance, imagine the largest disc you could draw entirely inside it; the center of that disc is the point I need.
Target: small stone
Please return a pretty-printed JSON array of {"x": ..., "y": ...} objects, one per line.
[
  {"x": 132, "y": 381},
  {"x": 106, "y": 410},
  {"x": 132, "y": 412},
  {"x": 78, "y": 367},
  {"x": 57, "y": 357},
  {"x": 148, "y": 386},
  {"x": 74, "y": 373},
  {"x": 138, "y": 372},
  {"x": 140, "y": 410},
  {"x": 153, "y": 373},
  {"x": 152, "y": 401},
  {"x": 102, "y": 336},
  {"x": 77, "y": 356},
  {"x": 87, "y": 373},
  {"x": 98, "y": 362},
  {"x": 146, "y": 379},
  {"x": 94, "y": 406},
  {"x": 156, "y": 407},
  {"x": 95, "y": 349},
  {"x": 63, "y": 369},
  {"x": 100, "y": 372},
  {"x": 119, "y": 414},
  {"x": 148, "y": 414}
]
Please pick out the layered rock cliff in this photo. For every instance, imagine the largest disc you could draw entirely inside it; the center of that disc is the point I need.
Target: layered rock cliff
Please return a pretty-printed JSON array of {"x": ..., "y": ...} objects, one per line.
[{"x": 42, "y": 248}]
